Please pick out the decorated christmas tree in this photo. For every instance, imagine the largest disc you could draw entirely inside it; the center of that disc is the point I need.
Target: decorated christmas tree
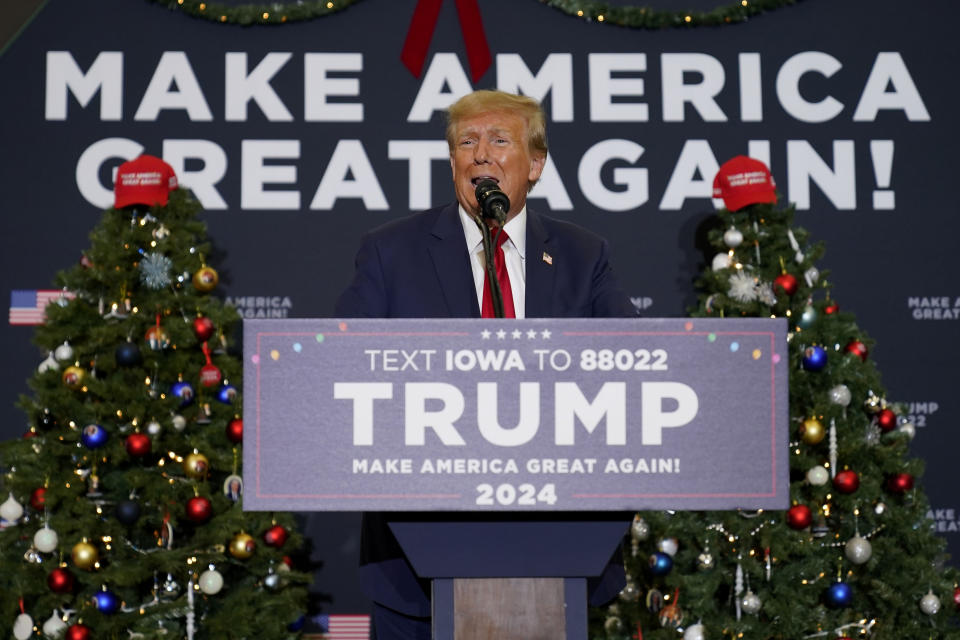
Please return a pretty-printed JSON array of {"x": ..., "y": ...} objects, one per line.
[
  {"x": 854, "y": 556},
  {"x": 122, "y": 503}
]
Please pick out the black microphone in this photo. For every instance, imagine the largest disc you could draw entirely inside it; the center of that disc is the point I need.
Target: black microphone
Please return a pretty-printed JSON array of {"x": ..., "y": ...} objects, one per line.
[{"x": 493, "y": 202}]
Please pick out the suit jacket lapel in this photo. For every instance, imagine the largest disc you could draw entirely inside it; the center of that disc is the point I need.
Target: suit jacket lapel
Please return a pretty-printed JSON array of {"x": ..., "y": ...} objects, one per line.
[
  {"x": 451, "y": 263},
  {"x": 541, "y": 274}
]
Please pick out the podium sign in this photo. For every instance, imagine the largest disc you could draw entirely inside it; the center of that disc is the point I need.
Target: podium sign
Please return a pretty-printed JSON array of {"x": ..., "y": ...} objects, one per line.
[{"x": 532, "y": 415}]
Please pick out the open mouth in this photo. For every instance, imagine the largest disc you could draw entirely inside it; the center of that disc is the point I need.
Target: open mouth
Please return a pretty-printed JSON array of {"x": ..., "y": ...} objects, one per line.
[{"x": 478, "y": 179}]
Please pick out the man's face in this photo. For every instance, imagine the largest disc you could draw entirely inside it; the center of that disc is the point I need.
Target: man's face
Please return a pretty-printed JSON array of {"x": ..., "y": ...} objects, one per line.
[{"x": 493, "y": 145}]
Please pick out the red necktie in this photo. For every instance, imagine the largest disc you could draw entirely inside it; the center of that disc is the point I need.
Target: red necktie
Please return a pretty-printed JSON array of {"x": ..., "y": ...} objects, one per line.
[{"x": 503, "y": 278}]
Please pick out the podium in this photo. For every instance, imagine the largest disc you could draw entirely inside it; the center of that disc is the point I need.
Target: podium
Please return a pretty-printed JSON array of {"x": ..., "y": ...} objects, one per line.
[
  {"x": 531, "y": 574},
  {"x": 523, "y": 447}
]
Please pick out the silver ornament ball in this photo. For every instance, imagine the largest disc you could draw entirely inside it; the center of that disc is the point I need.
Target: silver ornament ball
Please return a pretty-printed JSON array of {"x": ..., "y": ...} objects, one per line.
[
  {"x": 818, "y": 475},
  {"x": 840, "y": 395},
  {"x": 732, "y": 238},
  {"x": 858, "y": 550},
  {"x": 720, "y": 261},
  {"x": 211, "y": 582},
  {"x": 668, "y": 546},
  {"x": 930, "y": 604},
  {"x": 695, "y": 632},
  {"x": 750, "y": 602}
]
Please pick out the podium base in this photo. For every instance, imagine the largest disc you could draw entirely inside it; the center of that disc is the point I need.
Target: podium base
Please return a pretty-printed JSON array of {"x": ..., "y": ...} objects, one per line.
[{"x": 509, "y": 608}]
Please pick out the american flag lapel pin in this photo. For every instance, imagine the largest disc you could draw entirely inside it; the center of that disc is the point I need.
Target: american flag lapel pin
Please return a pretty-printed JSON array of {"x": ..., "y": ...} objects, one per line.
[{"x": 547, "y": 258}]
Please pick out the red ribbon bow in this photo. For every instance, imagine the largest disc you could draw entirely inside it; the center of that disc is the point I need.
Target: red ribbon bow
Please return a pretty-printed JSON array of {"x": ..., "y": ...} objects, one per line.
[{"x": 421, "y": 32}]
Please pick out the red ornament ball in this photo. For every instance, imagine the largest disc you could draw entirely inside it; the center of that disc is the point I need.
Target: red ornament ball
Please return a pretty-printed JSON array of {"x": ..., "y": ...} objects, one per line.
[
  {"x": 38, "y": 498},
  {"x": 900, "y": 483},
  {"x": 78, "y": 632},
  {"x": 203, "y": 328},
  {"x": 138, "y": 444},
  {"x": 210, "y": 375},
  {"x": 857, "y": 348},
  {"x": 60, "y": 580},
  {"x": 199, "y": 509},
  {"x": 846, "y": 481},
  {"x": 275, "y": 536},
  {"x": 785, "y": 282},
  {"x": 886, "y": 420},
  {"x": 799, "y": 517},
  {"x": 831, "y": 308},
  {"x": 956, "y": 596},
  {"x": 235, "y": 431}
]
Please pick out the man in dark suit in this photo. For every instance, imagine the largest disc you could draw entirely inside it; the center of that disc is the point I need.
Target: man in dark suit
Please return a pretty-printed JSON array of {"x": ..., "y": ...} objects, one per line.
[{"x": 431, "y": 265}]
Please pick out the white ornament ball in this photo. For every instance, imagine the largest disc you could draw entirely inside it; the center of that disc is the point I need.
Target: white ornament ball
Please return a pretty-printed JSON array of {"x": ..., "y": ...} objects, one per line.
[
  {"x": 23, "y": 627},
  {"x": 750, "y": 602},
  {"x": 858, "y": 550},
  {"x": 818, "y": 475},
  {"x": 720, "y": 261},
  {"x": 45, "y": 540},
  {"x": 668, "y": 546},
  {"x": 54, "y": 626},
  {"x": 840, "y": 395},
  {"x": 907, "y": 427},
  {"x": 64, "y": 352},
  {"x": 695, "y": 632},
  {"x": 930, "y": 604},
  {"x": 49, "y": 364},
  {"x": 732, "y": 238},
  {"x": 179, "y": 422},
  {"x": 11, "y": 510},
  {"x": 211, "y": 581},
  {"x": 153, "y": 428}
]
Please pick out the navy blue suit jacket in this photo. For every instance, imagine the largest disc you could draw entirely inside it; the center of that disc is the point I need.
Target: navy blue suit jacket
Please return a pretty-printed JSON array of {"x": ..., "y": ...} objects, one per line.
[{"x": 419, "y": 267}]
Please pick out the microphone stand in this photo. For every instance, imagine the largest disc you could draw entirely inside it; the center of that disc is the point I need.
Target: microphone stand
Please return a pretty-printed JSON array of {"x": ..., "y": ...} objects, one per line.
[{"x": 496, "y": 296}]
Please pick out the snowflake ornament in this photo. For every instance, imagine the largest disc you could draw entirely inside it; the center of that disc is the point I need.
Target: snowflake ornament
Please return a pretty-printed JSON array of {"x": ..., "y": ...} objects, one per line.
[
  {"x": 155, "y": 270},
  {"x": 743, "y": 288},
  {"x": 765, "y": 294}
]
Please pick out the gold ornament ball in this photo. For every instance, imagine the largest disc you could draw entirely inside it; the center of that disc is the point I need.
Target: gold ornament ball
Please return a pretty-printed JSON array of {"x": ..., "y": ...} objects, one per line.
[
  {"x": 812, "y": 431},
  {"x": 196, "y": 466},
  {"x": 242, "y": 546},
  {"x": 73, "y": 377},
  {"x": 205, "y": 279},
  {"x": 84, "y": 555}
]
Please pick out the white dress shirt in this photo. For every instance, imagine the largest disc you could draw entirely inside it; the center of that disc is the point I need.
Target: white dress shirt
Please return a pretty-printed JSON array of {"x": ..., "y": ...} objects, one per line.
[{"x": 514, "y": 254}]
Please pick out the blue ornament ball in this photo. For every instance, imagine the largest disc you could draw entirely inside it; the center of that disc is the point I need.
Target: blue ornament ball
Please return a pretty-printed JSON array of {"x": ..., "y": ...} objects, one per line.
[
  {"x": 227, "y": 394},
  {"x": 106, "y": 602},
  {"x": 128, "y": 511},
  {"x": 660, "y": 564},
  {"x": 128, "y": 354},
  {"x": 839, "y": 595},
  {"x": 93, "y": 436},
  {"x": 184, "y": 391},
  {"x": 814, "y": 358},
  {"x": 297, "y": 624}
]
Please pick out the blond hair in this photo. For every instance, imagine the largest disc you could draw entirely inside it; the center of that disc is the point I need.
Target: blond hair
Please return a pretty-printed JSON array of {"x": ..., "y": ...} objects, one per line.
[{"x": 487, "y": 101}]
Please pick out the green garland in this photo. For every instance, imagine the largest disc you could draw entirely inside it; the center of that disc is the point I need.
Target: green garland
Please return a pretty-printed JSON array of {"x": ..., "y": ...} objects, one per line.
[
  {"x": 635, "y": 17},
  {"x": 646, "y": 18},
  {"x": 248, "y": 14}
]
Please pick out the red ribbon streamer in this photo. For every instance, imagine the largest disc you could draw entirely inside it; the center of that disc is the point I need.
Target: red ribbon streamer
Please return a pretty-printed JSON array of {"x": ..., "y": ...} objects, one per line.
[{"x": 424, "y": 23}]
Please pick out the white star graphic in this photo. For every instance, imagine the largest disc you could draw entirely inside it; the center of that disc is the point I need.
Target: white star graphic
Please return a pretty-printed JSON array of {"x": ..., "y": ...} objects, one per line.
[
  {"x": 532, "y": 334},
  {"x": 501, "y": 334},
  {"x": 485, "y": 334},
  {"x": 545, "y": 334},
  {"x": 517, "y": 334}
]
